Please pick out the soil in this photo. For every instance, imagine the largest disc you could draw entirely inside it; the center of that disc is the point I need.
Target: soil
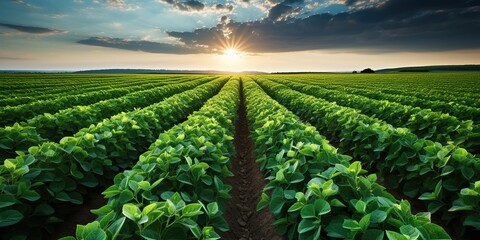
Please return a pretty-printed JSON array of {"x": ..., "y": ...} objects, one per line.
[
  {"x": 244, "y": 221},
  {"x": 80, "y": 214}
]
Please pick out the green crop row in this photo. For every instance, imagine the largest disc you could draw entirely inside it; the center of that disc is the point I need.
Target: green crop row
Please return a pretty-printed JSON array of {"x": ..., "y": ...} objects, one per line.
[
  {"x": 461, "y": 88},
  {"x": 10, "y": 115},
  {"x": 37, "y": 85},
  {"x": 428, "y": 170},
  {"x": 425, "y": 123},
  {"x": 12, "y": 85},
  {"x": 316, "y": 192},
  {"x": 460, "y": 111},
  {"x": 48, "y": 127},
  {"x": 17, "y": 99},
  {"x": 175, "y": 190},
  {"x": 33, "y": 185}
]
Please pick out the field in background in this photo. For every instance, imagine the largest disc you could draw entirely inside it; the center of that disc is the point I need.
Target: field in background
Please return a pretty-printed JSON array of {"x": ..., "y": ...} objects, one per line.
[{"x": 209, "y": 156}]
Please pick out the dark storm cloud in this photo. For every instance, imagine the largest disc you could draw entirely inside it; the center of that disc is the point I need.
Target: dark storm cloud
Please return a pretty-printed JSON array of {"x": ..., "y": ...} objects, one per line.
[
  {"x": 30, "y": 29},
  {"x": 144, "y": 46},
  {"x": 279, "y": 12},
  {"x": 190, "y": 5},
  {"x": 369, "y": 26},
  {"x": 395, "y": 25}
]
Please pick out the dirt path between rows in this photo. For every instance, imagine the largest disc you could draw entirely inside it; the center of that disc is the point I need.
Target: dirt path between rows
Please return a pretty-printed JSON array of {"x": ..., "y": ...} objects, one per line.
[{"x": 244, "y": 221}]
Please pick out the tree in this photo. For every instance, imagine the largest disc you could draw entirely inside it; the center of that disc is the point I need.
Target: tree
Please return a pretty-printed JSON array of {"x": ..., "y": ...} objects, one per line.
[{"x": 367, "y": 70}]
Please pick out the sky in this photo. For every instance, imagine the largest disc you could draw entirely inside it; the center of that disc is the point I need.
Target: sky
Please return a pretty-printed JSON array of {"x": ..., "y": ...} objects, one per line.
[{"x": 240, "y": 35}]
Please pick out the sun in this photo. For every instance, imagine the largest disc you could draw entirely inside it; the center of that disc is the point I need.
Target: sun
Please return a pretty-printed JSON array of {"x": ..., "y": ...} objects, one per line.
[{"x": 231, "y": 53}]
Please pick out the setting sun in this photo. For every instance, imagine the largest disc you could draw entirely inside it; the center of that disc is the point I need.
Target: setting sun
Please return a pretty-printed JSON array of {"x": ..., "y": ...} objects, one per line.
[{"x": 231, "y": 53}]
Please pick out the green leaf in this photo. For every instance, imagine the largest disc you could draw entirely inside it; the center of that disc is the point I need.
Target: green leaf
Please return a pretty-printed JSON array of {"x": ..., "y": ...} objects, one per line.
[
  {"x": 9, "y": 165},
  {"x": 322, "y": 207},
  {"x": 378, "y": 216},
  {"x": 150, "y": 234},
  {"x": 184, "y": 178},
  {"x": 433, "y": 231},
  {"x": 111, "y": 191},
  {"x": 209, "y": 233},
  {"x": 305, "y": 226},
  {"x": 296, "y": 177},
  {"x": 467, "y": 172},
  {"x": 212, "y": 209},
  {"x": 364, "y": 222},
  {"x": 276, "y": 205},
  {"x": 187, "y": 222},
  {"x": 10, "y": 217},
  {"x": 131, "y": 211},
  {"x": 337, "y": 203},
  {"x": 149, "y": 208},
  {"x": 6, "y": 200},
  {"x": 395, "y": 236},
  {"x": 97, "y": 234},
  {"x": 308, "y": 211},
  {"x": 306, "y": 150},
  {"x": 351, "y": 224},
  {"x": 115, "y": 228},
  {"x": 360, "y": 206},
  {"x": 144, "y": 185},
  {"x": 125, "y": 196},
  {"x": 295, "y": 207},
  {"x": 289, "y": 194},
  {"x": 409, "y": 230},
  {"x": 192, "y": 209}
]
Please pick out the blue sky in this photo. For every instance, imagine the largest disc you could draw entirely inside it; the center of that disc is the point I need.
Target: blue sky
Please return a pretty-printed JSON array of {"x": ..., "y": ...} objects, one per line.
[{"x": 182, "y": 34}]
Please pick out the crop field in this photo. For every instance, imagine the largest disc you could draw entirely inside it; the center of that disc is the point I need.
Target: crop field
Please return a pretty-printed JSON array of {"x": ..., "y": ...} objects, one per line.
[{"x": 270, "y": 156}]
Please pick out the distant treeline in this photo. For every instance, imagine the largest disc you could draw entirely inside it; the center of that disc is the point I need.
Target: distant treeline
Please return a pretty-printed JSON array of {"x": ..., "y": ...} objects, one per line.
[{"x": 444, "y": 68}]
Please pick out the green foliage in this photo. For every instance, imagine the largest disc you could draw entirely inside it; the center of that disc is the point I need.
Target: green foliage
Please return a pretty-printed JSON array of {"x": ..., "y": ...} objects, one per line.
[
  {"x": 422, "y": 168},
  {"x": 425, "y": 123},
  {"x": 68, "y": 121},
  {"x": 64, "y": 171},
  {"x": 175, "y": 188},
  {"x": 335, "y": 197}
]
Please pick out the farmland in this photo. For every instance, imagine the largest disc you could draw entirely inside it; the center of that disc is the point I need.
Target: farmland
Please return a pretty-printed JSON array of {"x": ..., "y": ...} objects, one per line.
[{"x": 273, "y": 156}]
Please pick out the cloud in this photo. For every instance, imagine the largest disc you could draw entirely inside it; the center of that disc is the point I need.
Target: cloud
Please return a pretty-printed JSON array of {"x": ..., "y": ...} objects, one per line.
[
  {"x": 141, "y": 45},
  {"x": 21, "y": 2},
  {"x": 281, "y": 12},
  {"x": 227, "y": 7},
  {"x": 190, "y": 5},
  {"x": 367, "y": 26},
  {"x": 394, "y": 25},
  {"x": 121, "y": 4},
  {"x": 32, "y": 30}
]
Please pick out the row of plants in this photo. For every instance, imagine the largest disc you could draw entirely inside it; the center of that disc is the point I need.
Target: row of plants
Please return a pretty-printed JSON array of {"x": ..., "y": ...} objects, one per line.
[
  {"x": 425, "y": 123},
  {"x": 17, "y": 99},
  {"x": 463, "y": 112},
  {"x": 460, "y": 88},
  {"x": 11, "y": 114},
  {"x": 316, "y": 193},
  {"x": 175, "y": 190},
  {"x": 33, "y": 185},
  {"x": 446, "y": 93},
  {"x": 37, "y": 85},
  {"x": 49, "y": 83},
  {"x": 423, "y": 169},
  {"x": 52, "y": 127}
]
